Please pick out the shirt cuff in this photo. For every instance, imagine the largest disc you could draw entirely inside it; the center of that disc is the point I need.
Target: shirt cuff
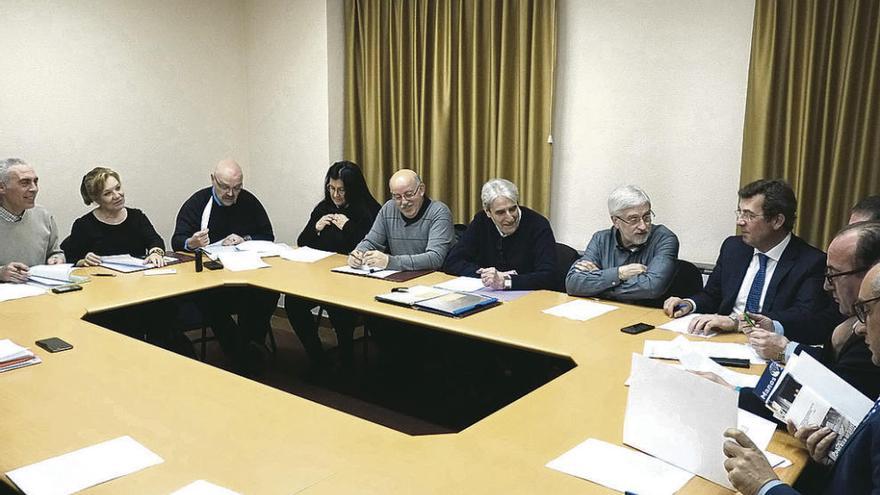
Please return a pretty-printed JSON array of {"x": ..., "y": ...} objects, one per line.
[
  {"x": 186, "y": 245},
  {"x": 692, "y": 303},
  {"x": 768, "y": 486},
  {"x": 778, "y": 328},
  {"x": 789, "y": 350}
]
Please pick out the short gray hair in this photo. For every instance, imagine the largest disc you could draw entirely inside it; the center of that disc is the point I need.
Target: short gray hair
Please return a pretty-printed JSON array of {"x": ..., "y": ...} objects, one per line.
[
  {"x": 875, "y": 286},
  {"x": 624, "y": 197},
  {"x": 4, "y": 167},
  {"x": 496, "y": 188}
]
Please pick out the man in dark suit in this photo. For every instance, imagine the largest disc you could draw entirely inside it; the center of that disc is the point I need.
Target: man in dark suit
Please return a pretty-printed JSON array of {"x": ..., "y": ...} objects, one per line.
[
  {"x": 857, "y": 469},
  {"x": 766, "y": 270}
]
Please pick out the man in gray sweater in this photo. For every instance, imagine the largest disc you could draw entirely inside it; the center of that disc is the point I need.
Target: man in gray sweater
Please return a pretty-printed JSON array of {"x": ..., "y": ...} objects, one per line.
[
  {"x": 28, "y": 234},
  {"x": 411, "y": 232}
]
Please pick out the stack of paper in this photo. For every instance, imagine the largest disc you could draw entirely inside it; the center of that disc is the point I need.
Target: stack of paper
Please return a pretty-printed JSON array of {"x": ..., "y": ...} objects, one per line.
[
  {"x": 580, "y": 310},
  {"x": 264, "y": 248},
  {"x": 14, "y": 356},
  {"x": 462, "y": 284},
  {"x": 671, "y": 349},
  {"x": 53, "y": 275},
  {"x": 365, "y": 272},
  {"x": 9, "y": 292}
]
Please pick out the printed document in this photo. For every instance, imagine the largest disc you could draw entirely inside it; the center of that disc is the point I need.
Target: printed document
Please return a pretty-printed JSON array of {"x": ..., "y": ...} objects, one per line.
[
  {"x": 680, "y": 325},
  {"x": 241, "y": 261},
  {"x": 580, "y": 310},
  {"x": 305, "y": 254}
]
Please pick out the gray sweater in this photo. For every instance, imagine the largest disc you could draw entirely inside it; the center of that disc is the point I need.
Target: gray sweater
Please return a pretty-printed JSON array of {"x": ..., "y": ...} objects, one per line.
[
  {"x": 30, "y": 241},
  {"x": 417, "y": 244}
]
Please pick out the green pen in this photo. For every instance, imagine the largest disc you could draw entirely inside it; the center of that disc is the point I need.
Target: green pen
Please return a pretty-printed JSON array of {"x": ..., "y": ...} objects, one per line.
[{"x": 749, "y": 320}]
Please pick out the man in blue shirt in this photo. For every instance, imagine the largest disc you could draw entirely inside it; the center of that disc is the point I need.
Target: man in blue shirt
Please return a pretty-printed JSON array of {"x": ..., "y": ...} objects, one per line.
[{"x": 633, "y": 260}]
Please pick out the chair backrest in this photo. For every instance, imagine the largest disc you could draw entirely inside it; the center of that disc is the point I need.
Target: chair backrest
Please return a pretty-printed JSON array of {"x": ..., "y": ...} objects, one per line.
[
  {"x": 686, "y": 281},
  {"x": 565, "y": 257},
  {"x": 458, "y": 231}
]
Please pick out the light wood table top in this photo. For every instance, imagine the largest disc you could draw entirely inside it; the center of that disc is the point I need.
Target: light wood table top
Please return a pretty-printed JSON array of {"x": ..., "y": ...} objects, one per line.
[{"x": 210, "y": 424}]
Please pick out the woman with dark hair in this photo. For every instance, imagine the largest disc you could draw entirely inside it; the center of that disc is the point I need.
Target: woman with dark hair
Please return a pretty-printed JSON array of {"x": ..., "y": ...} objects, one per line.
[{"x": 338, "y": 223}]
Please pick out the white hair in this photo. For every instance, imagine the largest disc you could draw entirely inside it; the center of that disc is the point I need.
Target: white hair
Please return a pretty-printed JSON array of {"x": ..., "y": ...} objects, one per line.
[
  {"x": 6, "y": 164},
  {"x": 496, "y": 188},
  {"x": 625, "y": 197}
]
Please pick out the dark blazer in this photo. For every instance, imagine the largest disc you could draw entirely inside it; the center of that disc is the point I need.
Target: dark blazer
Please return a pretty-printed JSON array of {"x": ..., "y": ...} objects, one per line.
[
  {"x": 853, "y": 364},
  {"x": 857, "y": 469},
  {"x": 795, "y": 296}
]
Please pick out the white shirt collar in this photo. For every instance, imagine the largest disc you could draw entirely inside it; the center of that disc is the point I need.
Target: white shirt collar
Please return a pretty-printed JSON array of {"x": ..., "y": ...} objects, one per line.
[{"x": 775, "y": 252}]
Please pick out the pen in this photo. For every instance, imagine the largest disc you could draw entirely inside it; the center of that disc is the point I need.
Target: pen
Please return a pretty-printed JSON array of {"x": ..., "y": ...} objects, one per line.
[
  {"x": 749, "y": 319},
  {"x": 104, "y": 274},
  {"x": 678, "y": 307}
]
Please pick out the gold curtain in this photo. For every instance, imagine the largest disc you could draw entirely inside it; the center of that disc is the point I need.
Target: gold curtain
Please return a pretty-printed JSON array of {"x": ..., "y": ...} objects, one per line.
[
  {"x": 458, "y": 90},
  {"x": 813, "y": 106}
]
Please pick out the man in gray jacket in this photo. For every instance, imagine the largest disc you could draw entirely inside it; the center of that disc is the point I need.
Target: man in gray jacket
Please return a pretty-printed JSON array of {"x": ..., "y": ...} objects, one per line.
[
  {"x": 411, "y": 231},
  {"x": 633, "y": 260}
]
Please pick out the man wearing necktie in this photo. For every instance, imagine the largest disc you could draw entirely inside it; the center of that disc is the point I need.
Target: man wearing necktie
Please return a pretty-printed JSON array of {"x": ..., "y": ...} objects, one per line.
[
  {"x": 857, "y": 469},
  {"x": 766, "y": 270}
]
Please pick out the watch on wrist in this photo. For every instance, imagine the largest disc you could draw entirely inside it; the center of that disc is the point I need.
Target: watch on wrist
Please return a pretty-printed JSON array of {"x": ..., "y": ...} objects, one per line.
[{"x": 508, "y": 283}]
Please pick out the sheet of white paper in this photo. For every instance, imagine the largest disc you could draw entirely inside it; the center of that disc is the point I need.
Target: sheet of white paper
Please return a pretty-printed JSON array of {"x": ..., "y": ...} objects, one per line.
[
  {"x": 202, "y": 487},
  {"x": 462, "y": 284},
  {"x": 241, "y": 261},
  {"x": 160, "y": 271},
  {"x": 80, "y": 469},
  {"x": 776, "y": 460},
  {"x": 414, "y": 294},
  {"x": 9, "y": 292},
  {"x": 59, "y": 272},
  {"x": 214, "y": 251},
  {"x": 680, "y": 325},
  {"x": 123, "y": 260},
  {"x": 694, "y": 361},
  {"x": 670, "y": 349},
  {"x": 580, "y": 310},
  {"x": 305, "y": 254},
  {"x": 503, "y": 295},
  {"x": 369, "y": 272},
  {"x": 757, "y": 428},
  {"x": 679, "y": 417},
  {"x": 11, "y": 350},
  {"x": 620, "y": 468},
  {"x": 263, "y": 248},
  {"x": 840, "y": 394}
]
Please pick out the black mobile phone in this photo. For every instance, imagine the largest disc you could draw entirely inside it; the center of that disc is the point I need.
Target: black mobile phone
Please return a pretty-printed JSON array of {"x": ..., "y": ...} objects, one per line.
[
  {"x": 213, "y": 265},
  {"x": 734, "y": 362},
  {"x": 54, "y": 344},
  {"x": 637, "y": 328},
  {"x": 67, "y": 288}
]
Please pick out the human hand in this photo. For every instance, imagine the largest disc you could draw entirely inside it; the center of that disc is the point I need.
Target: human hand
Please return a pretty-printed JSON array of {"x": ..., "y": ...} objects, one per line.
[
  {"x": 376, "y": 259},
  {"x": 631, "y": 270},
  {"x": 55, "y": 259},
  {"x": 677, "y": 307},
  {"x": 339, "y": 220},
  {"x": 703, "y": 324},
  {"x": 233, "y": 240},
  {"x": 766, "y": 344},
  {"x": 818, "y": 441},
  {"x": 199, "y": 239},
  {"x": 323, "y": 222},
  {"x": 91, "y": 259},
  {"x": 586, "y": 266},
  {"x": 761, "y": 322},
  {"x": 747, "y": 467},
  {"x": 356, "y": 259},
  {"x": 14, "y": 272},
  {"x": 155, "y": 259},
  {"x": 492, "y": 278}
]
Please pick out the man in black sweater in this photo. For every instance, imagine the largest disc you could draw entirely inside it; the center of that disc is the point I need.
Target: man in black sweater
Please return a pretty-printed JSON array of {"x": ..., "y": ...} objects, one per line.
[
  {"x": 228, "y": 213},
  {"x": 507, "y": 245}
]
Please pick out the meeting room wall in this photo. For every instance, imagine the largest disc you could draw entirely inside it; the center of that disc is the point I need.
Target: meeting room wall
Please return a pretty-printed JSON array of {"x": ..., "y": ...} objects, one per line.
[
  {"x": 153, "y": 88},
  {"x": 651, "y": 93}
]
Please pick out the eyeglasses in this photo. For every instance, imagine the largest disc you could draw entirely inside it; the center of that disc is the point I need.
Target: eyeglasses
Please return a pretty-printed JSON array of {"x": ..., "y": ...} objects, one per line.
[
  {"x": 407, "y": 195},
  {"x": 335, "y": 190},
  {"x": 223, "y": 188},
  {"x": 829, "y": 277},
  {"x": 860, "y": 308},
  {"x": 648, "y": 218},
  {"x": 747, "y": 216}
]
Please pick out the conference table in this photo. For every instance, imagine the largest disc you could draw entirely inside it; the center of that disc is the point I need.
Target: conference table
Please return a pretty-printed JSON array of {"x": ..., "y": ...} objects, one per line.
[{"x": 210, "y": 424}]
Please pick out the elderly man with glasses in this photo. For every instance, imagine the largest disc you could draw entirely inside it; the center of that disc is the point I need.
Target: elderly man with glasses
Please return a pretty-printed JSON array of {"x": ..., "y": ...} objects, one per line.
[
  {"x": 766, "y": 270},
  {"x": 632, "y": 261},
  {"x": 411, "y": 231}
]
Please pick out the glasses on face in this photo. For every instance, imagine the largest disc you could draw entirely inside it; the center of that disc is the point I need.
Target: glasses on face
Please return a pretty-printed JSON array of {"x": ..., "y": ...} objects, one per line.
[
  {"x": 336, "y": 190},
  {"x": 407, "y": 195},
  {"x": 225, "y": 188},
  {"x": 829, "y": 277},
  {"x": 648, "y": 218},
  {"x": 747, "y": 216},
  {"x": 860, "y": 308}
]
